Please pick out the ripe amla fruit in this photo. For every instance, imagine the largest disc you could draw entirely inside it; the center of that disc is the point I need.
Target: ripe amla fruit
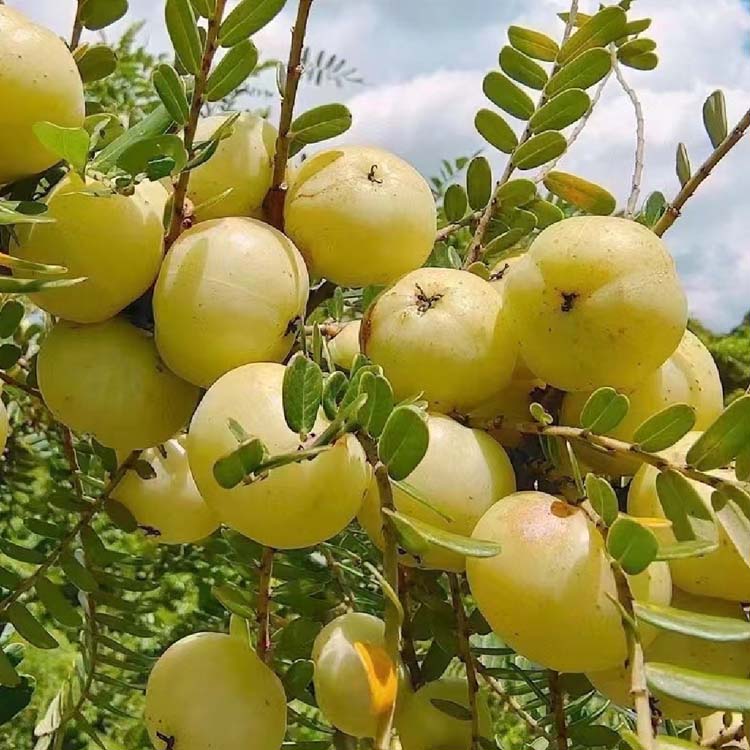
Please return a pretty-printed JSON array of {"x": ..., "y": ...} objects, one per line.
[
  {"x": 210, "y": 690},
  {"x": 168, "y": 506},
  {"x": 463, "y": 473},
  {"x": 554, "y": 569},
  {"x": 229, "y": 292},
  {"x": 355, "y": 680},
  {"x": 728, "y": 659},
  {"x": 4, "y": 426},
  {"x": 39, "y": 81},
  {"x": 723, "y": 574},
  {"x": 689, "y": 376},
  {"x": 296, "y": 505},
  {"x": 114, "y": 241},
  {"x": 242, "y": 165},
  {"x": 596, "y": 301},
  {"x": 421, "y": 725},
  {"x": 360, "y": 216},
  {"x": 344, "y": 346},
  {"x": 107, "y": 379},
  {"x": 443, "y": 333}
]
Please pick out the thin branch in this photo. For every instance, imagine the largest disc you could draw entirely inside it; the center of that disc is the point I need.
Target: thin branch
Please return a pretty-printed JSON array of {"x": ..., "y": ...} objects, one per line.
[
  {"x": 274, "y": 202},
  {"x": 558, "y": 708},
  {"x": 408, "y": 652},
  {"x": 14, "y": 383},
  {"x": 263, "y": 646},
  {"x": 688, "y": 189},
  {"x": 336, "y": 570},
  {"x": 446, "y": 231},
  {"x": 75, "y": 37}
]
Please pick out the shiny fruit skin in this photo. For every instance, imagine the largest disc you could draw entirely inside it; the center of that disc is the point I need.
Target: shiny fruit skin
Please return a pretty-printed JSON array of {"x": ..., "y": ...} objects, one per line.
[
  {"x": 229, "y": 293},
  {"x": 344, "y": 346},
  {"x": 463, "y": 473},
  {"x": 567, "y": 621},
  {"x": 596, "y": 301},
  {"x": 107, "y": 379},
  {"x": 210, "y": 690},
  {"x": 444, "y": 333},
  {"x": 39, "y": 82},
  {"x": 689, "y": 376},
  {"x": 114, "y": 241},
  {"x": 242, "y": 163},
  {"x": 296, "y": 505},
  {"x": 423, "y": 726},
  {"x": 360, "y": 215},
  {"x": 167, "y": 507},
  {"x": 722, "y": 574}
]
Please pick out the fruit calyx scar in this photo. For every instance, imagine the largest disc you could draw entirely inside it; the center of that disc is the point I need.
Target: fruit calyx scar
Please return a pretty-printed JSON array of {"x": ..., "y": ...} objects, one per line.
[{"x": 425, "y": 301}]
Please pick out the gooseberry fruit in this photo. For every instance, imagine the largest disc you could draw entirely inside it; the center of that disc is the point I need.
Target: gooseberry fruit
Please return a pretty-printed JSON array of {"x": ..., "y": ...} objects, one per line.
[{"x": 344, "y": 346}]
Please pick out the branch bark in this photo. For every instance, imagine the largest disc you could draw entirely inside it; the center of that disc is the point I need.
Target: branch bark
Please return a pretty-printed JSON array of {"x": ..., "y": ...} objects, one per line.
[
  {"x": 75, "y": 37},
  {"x": 263, "y": 646},
  {"x": 558, "y": 708}
]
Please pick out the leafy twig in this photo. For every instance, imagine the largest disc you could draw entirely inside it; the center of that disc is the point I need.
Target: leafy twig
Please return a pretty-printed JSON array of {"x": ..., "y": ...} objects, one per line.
[
  {"x": 14, "y": 383},
  {"x": 263, "y": 646},
  {"x": 558, "y": 708}
]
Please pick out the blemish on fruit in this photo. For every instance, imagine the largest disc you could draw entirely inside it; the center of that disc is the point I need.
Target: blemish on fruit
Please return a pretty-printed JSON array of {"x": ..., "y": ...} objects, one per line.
[
  {"x": 167, "y": 739},
  {"x": 561, "y": 509}
]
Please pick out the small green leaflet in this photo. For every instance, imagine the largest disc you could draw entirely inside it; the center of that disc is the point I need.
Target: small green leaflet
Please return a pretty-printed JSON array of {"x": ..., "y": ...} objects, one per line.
[
  {"x": 604, "y": 410},
  {"x": 602, "y": 498},
  {"x": 521, "y": 68},
  {"x": 478, "y": 182},
  {"x": 539, "y": 149},
  {"x": 715, "y": 118},
  {"x": 665, "y": 428},
  {"x": 247, "y": 18},
  {"x": 502, "y": 92},
  {"x": 708, "y": 690},
  {"x": 98, "y": 14},
  {"x": 601, "y": 29},
  {"x": 694, "y": 624},
  {"x": 495, "y": 130},
  {"x": 171, "y": 91},
  {"x": 183, "y": 32},
  {"x": 632, "y": 545},
  {"x": 560, "y": 111},
  {"x": 533, "y": 43},
  {"x": 588, "y": 196},
  {"x": 233, "y": 468},
  {"x": 582, "y": 72},
  {"x": 455, "y": 203},
  {"x": 70, "y": 144},
  {"x": 404, "y": 441},
  {"x": 232, "y": 71},
  {"x": 302, "y": 393},
  {"x": 319, "y": 124},
  {"x": 724, "y": 439}
]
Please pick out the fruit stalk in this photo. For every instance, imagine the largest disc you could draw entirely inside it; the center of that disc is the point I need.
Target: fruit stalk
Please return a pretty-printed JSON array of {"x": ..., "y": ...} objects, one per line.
[
  {"x": 263, "y": 646},
  {"x": 558, "y": 707}
]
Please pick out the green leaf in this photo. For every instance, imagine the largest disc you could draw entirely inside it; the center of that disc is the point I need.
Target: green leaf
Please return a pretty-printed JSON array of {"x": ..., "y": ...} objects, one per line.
[
  {"x": 602, "y": 498},
  {"x": 9, "y": 355},
  {"x": 120, "y": 516},
  {"x": 334, "y": 388},
  {"x": 455, "y": 203},
  {"x": 171, "y": 91},
  {"x": 9, "y": 579},
  {"x": 546, "y": 213},
  {"x": 506, "y": 240},
  {"x": 319, "y": 124},
  {"x": 694, "y": 624},
  {"x": 235, "y": 601},
  {"x": 247, "y": 18},
  {"x": 533, "y": 43},
  {"x": 560, "y": 111},
  {"x": 581, "y": 73},
  {"x": 715, "y": 117},
  {"x": 297, "y": 638},
  {"x": 653, "y": 209},
  {"x": 522, "y": 68},
  {"x": 684, "y": 550},
  {"x": 28, "y": 627},
  {"x": 95, "y": 62},
  {"x": 297, "y": 678},
  {"x": 604, "y": 410},
  {"x": 231, "y": 469},
  {"x": 634, "y": 48},
  {"x": 77, "y": 574},
  {"x": 204, "y": 8},
  {"x": 679, "y": 499},
  {"x": 539, "y": 149},
  {"x": 302, "y": 393},
  {"x": 478, "y": 182},
  {"x": 502, "y": 92},
  {"x": 601, "y": 29},
  {"x": 593, "y": 735},
  {"x": 711, "y": 691},
  {"x": 665, "y": 428},
  {"x": 22, "y": 212},
  {"x": 638, "y": 26},
  {"x": 98, "y": 14},
  {"x": 632, "y": 545},
  {"x": 724, "y": 439},
  {"x": 13, "y": 700},
  {"x": 183, "y": 32},
  {"x": 122, "y": 625},
  {"x": 52, "y": 597},
  {"x": 22, "y": 554},
  {"x": 11, "y": 315},
  {"x": 452, "y": 709},
  {"x": 136, "y": 158},
  {"x": 516, "y": 193},
  {"x": 495, "y": 130},
  {"x": 103, "y": 128},
  {"x": 742, "y": 465},
  {"x": 70, "y": 144},
  {"x": 8, "y": 675},
  {"x": 587, "y": 196},
  {"x": 379, "y": 405},
  {"x": 404, "y": 441},
  {"x": 646, "y": 61},
  {"x": 232, "y": 70}
]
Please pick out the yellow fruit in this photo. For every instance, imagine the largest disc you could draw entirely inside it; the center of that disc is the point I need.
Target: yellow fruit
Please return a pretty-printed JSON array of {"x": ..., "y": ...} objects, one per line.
[
  {"x": 168, "y": 507},
  {"x": 39, "y": 81},
  {"x": 726, "y": 659},
  {"x": 355, "y": 680},
  {"x": 107, "y": 379},
  {"x": 229, "y": 292},
  {"x": 723, "y": 574},
  {"x": 210, "y": 690},
  {"x": 296, "y": 505},
  {"x": 444, "y": 333},
  {"x": 421, "y": 725},
  {"x": 553, "y": 560},
  {"x": 463, "y": 473},
  {"x": 344, "y": 346},
  {"x": 115, "y": 241},
  {"x": 4, "y": 426},
  {"x": 596, "y": 301},
  {"x": 713, "y": 727},
  {"x": 360, "y": 216},
  {"x": 689, "y": 376},
  {"x": 243, "y": 164}
]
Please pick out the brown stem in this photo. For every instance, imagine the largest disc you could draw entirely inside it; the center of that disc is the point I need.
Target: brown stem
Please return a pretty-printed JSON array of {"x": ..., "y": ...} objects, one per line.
[
  {"x": 408, "y": 652},
  {"x": 11, "y": 381},
  {"x": 75, "y": 37},
  {"x": 274, "y": 203},
  {"x": 558, "y": 708},
  {"x": 449, "y": 229},
  {"x": 179, "y": 217},
  {"x": 263, "y": 646}
]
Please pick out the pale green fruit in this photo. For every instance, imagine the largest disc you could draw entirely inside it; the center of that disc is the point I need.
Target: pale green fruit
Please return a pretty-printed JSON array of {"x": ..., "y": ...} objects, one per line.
[
  {"x": 553, "y": 560},
  {"x": 360, "y": 216},
  {"x": 421, "y": 725},
  {"x": 242, "y": 164},
  {"x": 296, "y": 505},
  {"x": 112, "y": 240},
  {"x": 463, "y": 473},
  {"x": 726, "y": 659},
  {"x": 723, "y": 574},
  {"x": 344, "y": 346},
  {"x": 444, "y": 333},
  {"x": 596, "y": 301},
  {"x": 4, "y": 426},
  {"x": 355, "y": 680},
  {"x": 168, "y": 507},
  {"x": 210, "y": 690},
  {"x": 39, "y": 82},
  {"x": 107, "y": 379},
  {"x": 229, "y": 293},
  {"x": 689, "y": 376}
]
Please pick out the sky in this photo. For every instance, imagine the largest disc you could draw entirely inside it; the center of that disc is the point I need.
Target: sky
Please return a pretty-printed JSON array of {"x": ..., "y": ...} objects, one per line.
[{"x": 423, "y": 62}]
